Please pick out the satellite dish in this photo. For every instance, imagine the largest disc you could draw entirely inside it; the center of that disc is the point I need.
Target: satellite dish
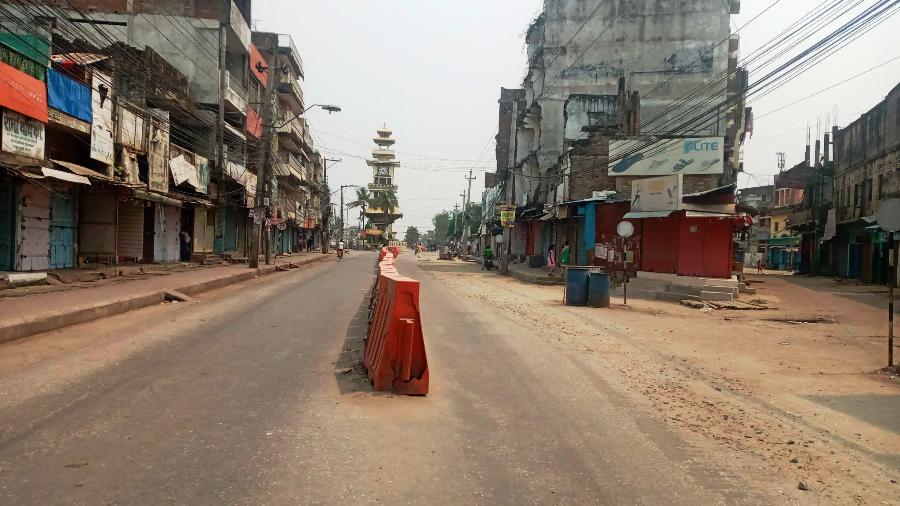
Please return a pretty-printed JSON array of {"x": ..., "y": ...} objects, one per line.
[
  {"x": 625, "y": 229},
  {"x": 888, "y": 215}
]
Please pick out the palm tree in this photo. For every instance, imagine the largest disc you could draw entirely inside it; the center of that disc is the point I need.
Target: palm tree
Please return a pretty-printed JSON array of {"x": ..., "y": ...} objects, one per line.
[
  {"x": 363, "y": 199},
  {"x": 387, "y": 202}
]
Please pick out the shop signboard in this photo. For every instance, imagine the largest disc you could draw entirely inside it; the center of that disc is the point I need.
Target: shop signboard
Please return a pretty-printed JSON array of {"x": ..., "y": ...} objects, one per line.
[
  {"x": 508, "y": 216},
  {"x": 102, "y": 145},
  {"x": 657, "y": 193},
  {"x": 697, "y": 155},
  {"x": 23, "y": 93},
  {"x": 22, "y": 135}
]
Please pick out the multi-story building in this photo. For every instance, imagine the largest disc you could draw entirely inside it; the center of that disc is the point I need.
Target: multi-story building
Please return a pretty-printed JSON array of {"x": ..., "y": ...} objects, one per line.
[
  {"x": 599, "y": 77},
  {"x": 138, "y": 146},
  {"x": 755, "y": 240},
  {"x": 867, "y": 171}
]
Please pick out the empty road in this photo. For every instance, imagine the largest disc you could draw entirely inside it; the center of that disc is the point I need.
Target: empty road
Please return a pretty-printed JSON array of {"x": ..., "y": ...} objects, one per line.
[{"x": 244, "y": 397}]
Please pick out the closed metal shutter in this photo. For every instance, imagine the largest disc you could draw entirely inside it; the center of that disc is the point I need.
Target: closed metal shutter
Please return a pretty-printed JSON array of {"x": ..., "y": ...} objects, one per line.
[
  {"x": 130, "y": 236},
  {"x": 97, "y": 226},
  {"x": 34, "y": 229}
]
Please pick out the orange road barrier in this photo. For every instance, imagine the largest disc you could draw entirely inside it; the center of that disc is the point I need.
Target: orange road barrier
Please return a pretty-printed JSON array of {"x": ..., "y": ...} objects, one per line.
[
  {"x": 395, "y": 250},
  {"x": 395, "y": 348}
]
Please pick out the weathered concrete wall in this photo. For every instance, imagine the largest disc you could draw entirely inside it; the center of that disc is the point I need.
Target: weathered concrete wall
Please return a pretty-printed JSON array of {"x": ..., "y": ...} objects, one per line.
[
  {"x": 657, "y": 45},
  {"x": 867, "y": 160},
  {"x": 189, "y": 44}
]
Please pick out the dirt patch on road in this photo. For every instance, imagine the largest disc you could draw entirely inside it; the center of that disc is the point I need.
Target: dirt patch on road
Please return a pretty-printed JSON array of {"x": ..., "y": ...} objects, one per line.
[{"x": 745, "y": 383}]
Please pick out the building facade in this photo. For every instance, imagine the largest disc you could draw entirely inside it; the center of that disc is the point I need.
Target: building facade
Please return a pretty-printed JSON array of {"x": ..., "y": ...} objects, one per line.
[{"x": 144, "y": 145}]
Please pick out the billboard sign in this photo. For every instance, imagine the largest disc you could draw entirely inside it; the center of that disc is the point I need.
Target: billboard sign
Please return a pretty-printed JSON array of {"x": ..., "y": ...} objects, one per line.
[
  {"x": 698, "y": 155},
  {"x": 657, "y": 193}
]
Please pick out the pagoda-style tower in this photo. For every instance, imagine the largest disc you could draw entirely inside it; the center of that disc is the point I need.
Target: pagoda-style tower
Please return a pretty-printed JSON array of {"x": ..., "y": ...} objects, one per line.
[{"x": 383, "y": 165}]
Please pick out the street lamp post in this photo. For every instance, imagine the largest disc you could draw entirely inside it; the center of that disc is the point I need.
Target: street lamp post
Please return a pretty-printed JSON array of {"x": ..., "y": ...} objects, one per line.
[
  {"x": 326, "y": 232},
  {"x": 342, "y": 206}
]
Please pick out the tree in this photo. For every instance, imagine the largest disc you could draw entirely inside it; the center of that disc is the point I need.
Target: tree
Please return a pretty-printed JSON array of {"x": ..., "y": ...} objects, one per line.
[
  {"x": 441, "y": 222},
  {"x": 473, "y": 218},
  {"x": 412, "y": 236},
  {"x": 387, "y": 202},
  {"x": 363, "y": 198}
]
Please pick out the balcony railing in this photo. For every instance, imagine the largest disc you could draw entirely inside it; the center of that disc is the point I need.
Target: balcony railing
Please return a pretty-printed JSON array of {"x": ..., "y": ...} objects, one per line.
[
  {"x": 235, "y": 93},
  {"x": 287, "y": 84},
  {"x": 294, "y": 129},
  {"x": 286, "y": 41}
]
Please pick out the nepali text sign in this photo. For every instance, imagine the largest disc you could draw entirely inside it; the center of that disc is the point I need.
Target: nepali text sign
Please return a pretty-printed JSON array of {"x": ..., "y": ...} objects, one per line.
[
  {"x": 23, "y": 135},
  {"x": 705, "y": 155},
  {"x": 23, "y": 93},
  {"x": 102, "y": 145},
  {"x": 657, "y": 193}
]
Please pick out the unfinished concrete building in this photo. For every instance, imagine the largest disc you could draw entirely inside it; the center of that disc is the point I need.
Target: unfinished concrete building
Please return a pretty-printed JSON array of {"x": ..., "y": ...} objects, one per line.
[{"x": 679, "y": 57}]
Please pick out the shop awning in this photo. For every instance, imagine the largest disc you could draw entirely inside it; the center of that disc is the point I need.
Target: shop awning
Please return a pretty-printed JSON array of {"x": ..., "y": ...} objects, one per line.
[
  {"x": 636, "y": 215},
  {"x": 155, "y": 197},
  {"x": 65, "y": 176},
  {"x": 80, "y": 170},
  {"x": 702, "y": 214}
]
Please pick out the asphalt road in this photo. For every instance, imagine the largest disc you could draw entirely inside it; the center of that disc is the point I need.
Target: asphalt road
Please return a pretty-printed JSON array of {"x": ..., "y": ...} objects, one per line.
[{"x": 243, "y": 397}]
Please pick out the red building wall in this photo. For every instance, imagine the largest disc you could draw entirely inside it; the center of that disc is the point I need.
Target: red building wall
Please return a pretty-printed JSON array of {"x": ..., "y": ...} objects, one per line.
[
  {"x": 705, "y": 247},
  {"x": 659, "y": 250},
  {"x": 608, "y": 218}
]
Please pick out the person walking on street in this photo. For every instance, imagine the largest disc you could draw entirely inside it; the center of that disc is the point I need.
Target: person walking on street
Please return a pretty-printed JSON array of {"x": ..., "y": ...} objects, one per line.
[
  {"x": 566, "y": 254},
  {"x": 759, "y": 265},
  {"x": 551, "y": 259},
  {"x": 185, "y": 245}
]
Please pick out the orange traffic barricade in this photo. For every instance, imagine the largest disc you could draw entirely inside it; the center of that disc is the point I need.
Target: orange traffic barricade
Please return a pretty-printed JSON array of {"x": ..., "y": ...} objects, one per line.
[{"x": 395, "y": 348}]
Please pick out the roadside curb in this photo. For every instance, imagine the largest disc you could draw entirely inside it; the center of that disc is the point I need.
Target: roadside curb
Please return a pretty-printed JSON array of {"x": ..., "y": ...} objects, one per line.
[
  {"x": 53, "y": 320},
  {"x": 537, "y": 280}
]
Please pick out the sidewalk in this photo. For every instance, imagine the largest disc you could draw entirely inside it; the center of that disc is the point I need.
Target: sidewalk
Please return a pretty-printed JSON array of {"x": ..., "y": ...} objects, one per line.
[
  {"x": 34, "y": 313},
  {"x": 536, "y": 275}
]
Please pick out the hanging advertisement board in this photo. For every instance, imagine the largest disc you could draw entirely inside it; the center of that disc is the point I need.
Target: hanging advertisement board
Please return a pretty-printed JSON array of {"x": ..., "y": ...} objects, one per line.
[
  {"x": 22, "y": 135},
  {"x": 102, "y": 146},
  {"x": 636, "y": 157},
  {"x": 656, "y": 193},
  {"x": 158, "y": 151},
  {"x": 508, "y": 216}
]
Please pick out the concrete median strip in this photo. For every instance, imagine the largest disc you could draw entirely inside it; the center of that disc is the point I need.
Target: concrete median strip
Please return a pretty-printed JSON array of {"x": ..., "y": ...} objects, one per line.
[{"x": 53, "y": 319}]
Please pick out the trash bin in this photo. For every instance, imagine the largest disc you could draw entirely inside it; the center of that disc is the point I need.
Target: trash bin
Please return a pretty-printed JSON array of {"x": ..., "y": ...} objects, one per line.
[
  {"x": 598, "y": 289},
  {"x": 576, "y": 286}
]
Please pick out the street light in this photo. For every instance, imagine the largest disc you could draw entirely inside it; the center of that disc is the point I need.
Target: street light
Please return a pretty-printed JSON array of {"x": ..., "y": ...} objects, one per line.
[
  {"x": 326, "y": 107},
  {"x": 342, "y": 205}
]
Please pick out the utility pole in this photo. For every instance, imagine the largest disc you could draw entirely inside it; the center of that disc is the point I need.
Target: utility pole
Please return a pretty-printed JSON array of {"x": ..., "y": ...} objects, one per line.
[
  {"x": 326, "y": 205},
  {"x": 220, "y": 121},
  {"x": 466, "y": 203},
  {"x": 455, "y": 220},
  {"x": 507, "y": 233},
  {"x": 263, "y": 188}
]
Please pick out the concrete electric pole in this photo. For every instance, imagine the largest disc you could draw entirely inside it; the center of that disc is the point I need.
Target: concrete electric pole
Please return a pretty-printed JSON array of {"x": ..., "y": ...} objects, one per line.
[
  {"x": 326, "y": 205},
  {"x": 263, "y": 186},
  {"x": 466, "y": 201}
]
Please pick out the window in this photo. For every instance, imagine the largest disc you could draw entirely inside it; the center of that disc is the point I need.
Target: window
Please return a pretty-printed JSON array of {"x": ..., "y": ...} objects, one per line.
[
  {"x": 857, "y": 192},
  {"x": 881, "y": 191},
  {"x": 777, "y": 226}
]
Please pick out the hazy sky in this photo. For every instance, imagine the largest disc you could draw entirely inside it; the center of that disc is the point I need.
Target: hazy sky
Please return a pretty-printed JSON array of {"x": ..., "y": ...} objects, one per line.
[{"x": 432, "y": 70}]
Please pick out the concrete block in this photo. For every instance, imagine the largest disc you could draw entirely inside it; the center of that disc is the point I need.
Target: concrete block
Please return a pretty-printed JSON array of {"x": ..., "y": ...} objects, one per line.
[{"x": 717, "y": 296}]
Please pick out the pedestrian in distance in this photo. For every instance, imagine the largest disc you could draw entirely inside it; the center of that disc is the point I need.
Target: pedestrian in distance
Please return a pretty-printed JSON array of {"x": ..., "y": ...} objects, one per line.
[
  {"x": 185, "y": 250},
  {"x": 551, "y": 259},
  {"x": 759, "y": 265},
  {"x": 566, "y": 254}
]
